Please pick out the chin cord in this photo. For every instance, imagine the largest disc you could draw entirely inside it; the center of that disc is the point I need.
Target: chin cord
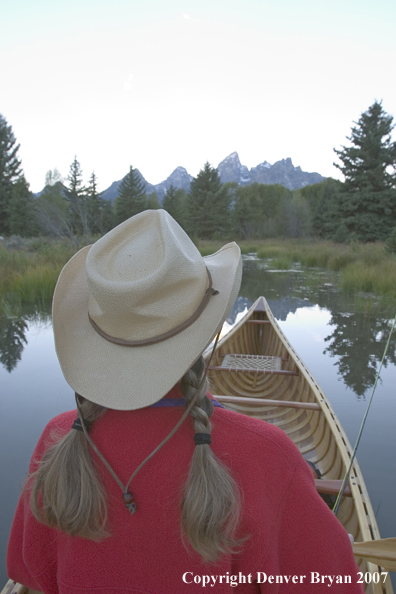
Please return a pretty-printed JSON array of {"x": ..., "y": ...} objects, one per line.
[{"x": 200, "y": 438}]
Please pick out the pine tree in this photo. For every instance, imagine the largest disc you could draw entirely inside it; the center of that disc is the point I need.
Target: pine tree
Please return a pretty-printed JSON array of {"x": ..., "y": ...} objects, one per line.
[
  {"x": 366, "y": 162},
  {"x": 100, "y": 212},
  {"x": 175, "y": 203},
  {"x": 94, "y": 205},
  {"x": 368, "y": 202},
  {"x": 10, "y": 170},
  {"x": 208, "y": 204},
  {"x": 131, "y": 198},
  {"x": 152, "y": 201},
  {"x": 76, "y": 196},
  {"x": 21, "y": 209}
]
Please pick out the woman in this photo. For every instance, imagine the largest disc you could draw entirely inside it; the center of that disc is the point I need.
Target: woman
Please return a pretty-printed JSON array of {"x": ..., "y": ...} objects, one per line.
[{"x": 125, "y": 496}]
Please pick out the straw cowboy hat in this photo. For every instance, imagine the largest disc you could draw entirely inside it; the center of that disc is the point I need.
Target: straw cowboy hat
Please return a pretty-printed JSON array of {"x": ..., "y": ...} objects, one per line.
[{"x": 134, "y": 311}]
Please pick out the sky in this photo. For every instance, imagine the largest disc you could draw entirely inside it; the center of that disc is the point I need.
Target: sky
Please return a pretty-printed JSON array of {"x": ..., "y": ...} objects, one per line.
[{"x": 161, "y": 84}]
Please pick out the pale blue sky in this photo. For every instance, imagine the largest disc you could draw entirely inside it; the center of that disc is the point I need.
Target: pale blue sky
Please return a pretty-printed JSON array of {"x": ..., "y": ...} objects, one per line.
[{"x": 161, "y": 84}]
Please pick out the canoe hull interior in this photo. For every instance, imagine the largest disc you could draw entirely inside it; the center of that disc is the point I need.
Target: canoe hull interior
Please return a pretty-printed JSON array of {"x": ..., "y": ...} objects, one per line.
[{"x": 317, "y": 433}]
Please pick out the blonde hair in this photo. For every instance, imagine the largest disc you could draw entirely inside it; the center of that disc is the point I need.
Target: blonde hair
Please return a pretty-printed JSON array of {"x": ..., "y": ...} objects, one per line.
[
  {"x": 67, "y": 493},
  {"x": 66, "y": 490},
  {"x": 211, "y": 503}
]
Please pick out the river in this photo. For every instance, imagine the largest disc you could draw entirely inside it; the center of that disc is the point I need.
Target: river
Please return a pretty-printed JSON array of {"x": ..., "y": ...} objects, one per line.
[{"x": 340, "y": 339}]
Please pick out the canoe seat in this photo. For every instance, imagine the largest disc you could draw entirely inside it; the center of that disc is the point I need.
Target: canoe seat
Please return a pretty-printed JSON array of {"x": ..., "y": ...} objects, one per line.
[{"x": 252, "y": 362}]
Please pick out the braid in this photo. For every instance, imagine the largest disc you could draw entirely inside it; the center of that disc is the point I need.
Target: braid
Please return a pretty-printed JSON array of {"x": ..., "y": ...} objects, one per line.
[
  {"x": 211, "y": 505},
  {"x": 203, "y": 409},
  {"x": 66, "y": 490}
]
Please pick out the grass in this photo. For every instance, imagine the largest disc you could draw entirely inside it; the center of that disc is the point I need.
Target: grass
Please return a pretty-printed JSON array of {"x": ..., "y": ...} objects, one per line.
[
  {"x": 29, "y": 274},
  {"x": 363, "y": 268}
]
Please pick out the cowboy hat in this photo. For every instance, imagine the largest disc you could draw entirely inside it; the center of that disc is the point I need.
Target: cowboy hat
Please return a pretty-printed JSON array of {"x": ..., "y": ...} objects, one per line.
[{"x": 134, "y": 311}]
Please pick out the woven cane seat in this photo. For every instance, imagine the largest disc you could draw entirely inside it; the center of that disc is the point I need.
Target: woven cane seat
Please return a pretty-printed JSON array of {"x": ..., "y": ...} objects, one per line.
[{"x": 252, "y": 362}]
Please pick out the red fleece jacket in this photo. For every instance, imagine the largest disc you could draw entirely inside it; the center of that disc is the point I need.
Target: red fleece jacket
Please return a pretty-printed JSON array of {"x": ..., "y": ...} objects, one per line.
[{"x": 291, "y": 530}]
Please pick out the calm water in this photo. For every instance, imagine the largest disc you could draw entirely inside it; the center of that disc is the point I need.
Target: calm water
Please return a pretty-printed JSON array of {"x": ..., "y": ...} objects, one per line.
[{"x": 341, "y": 346}]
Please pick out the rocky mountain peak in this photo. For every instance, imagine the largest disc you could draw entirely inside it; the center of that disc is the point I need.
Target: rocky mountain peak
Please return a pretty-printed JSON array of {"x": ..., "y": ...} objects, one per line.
[
  {"x": 282, "y": 172},
  {"x": 231, "y": 170}
]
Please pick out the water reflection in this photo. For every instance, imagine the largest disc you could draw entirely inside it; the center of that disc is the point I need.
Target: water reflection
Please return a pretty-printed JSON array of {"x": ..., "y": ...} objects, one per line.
[
  {"x": 12, "y": 340},
  {"x": 356, "y": 340},
  {"x": 14, "y": 325},
  {"x": 359, "y": 343}
]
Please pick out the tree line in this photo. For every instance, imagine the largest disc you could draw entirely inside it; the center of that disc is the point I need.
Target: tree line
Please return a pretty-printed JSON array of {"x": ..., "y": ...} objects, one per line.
[{"x": 362, "y": 208}]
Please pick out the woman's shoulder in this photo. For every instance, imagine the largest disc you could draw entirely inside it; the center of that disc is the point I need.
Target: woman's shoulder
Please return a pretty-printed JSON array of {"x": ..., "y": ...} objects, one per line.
[
  {"x": 57, "y": 427},
  {"x": 62, "y": 422}
]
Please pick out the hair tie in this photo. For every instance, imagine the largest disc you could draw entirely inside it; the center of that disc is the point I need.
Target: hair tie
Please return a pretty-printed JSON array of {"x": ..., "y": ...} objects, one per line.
[
  {"x": 202, "y": 439},
  {"x": 77, "y": 425}
]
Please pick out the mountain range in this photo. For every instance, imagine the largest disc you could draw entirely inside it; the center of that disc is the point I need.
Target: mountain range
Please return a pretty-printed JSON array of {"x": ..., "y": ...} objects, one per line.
[{"x": 231, "y": 170}]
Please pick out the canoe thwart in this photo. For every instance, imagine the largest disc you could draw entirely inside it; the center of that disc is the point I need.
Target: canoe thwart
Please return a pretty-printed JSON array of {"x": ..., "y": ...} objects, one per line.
[
  {"x": 243, "y": 369},
  {"x": 266, "y": 402},
  {"x": 332, "y": 487}
]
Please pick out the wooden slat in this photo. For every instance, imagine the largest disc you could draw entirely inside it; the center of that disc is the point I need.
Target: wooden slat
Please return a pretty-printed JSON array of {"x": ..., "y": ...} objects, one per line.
[
  {"x": 331, "y": 487},
  {"x": 13, "y": 588},
  {"x": 243, "y": 369},
  {"x": 266, "y": 402},
  {"x": 258, "y": 322}
]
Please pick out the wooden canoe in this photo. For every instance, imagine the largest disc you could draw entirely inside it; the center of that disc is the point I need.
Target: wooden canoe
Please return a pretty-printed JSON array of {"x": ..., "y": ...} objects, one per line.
[
  {"x": 277, "y": 387},
  {"x": 256, "y": 371}
]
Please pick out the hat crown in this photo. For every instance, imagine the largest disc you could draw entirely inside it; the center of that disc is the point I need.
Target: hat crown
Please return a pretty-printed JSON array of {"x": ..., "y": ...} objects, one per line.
[{"x": 145, "y": 277}]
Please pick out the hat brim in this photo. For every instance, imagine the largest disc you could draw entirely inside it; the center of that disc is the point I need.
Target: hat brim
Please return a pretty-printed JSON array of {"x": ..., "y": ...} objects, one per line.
[{"x": 125, "y": 377}]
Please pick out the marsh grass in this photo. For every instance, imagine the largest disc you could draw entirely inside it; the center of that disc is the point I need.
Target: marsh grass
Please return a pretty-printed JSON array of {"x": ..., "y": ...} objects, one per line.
[
  {"x": 29, "y": 275},
  {"x": 282, "y": 262},
  {"x": 378, "y": 279},
  {"x": 365, "y": 270}
]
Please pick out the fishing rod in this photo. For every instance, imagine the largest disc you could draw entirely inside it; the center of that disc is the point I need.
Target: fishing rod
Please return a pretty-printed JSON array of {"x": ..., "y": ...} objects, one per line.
[{"x": 345, "y": 479}]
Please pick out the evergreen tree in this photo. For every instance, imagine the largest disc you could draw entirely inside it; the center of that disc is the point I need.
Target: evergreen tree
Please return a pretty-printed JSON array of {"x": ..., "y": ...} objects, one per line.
[
  {"x": 21, "y": 209},
  {"x": 10, "y": 170},
  {"x": 325, "y": 201},
  {"x": 94, "y": 205},
  {"x": 77, "y": 198},
  {"x": 107, "y": 221},
  {"x": 100, "y": 210},
  {"x": 365, "y": 164},
  {"x": 367, "y": 207},
  {"x": 208, "y": 205},
  {"x": 131, "y": 198},
  {"x": 259, "y": 211},
  {"x": 153, "y": 202},
  {"x": 175, "y": 203}
]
